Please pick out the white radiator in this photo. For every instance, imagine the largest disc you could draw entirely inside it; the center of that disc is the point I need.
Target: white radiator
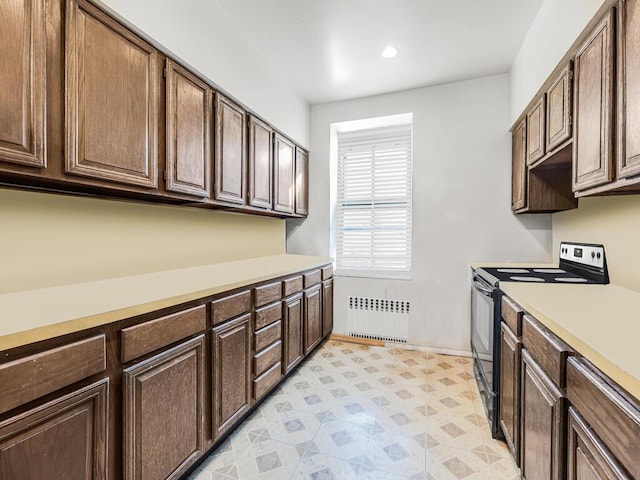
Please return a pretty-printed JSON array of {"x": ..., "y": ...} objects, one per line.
[{"x": 378, "y": 319}]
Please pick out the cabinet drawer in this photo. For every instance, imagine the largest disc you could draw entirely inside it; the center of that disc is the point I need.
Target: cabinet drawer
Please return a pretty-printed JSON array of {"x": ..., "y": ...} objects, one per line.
[
  {"x": 267, "y": 358},
  {"x": 312, "y": 278},
  {"x": 547, "y": 349},
  {"x": 267, "y": 335},
  {"x": 327, "y": 272},
  {"x": 32, "y": 377},
  {"x": 267, "y": 380},
  {"x": 149, "y": 336},
  {"x": 267, "y": 293},
  {"x": 292, "y": 285},
  {"x": 512, "y": 315},
  {"x": 228, "y": 307},
  {"x": 610, "y": 414},
  {"x": 267, "y": 315}
]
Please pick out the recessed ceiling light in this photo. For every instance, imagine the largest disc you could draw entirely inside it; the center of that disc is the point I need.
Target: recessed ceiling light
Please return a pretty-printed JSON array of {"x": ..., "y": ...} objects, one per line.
[{"x": 389, "y": 52}]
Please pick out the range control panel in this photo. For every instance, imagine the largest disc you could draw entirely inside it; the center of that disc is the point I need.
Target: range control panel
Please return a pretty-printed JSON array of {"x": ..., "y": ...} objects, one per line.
[{"x": 592, "y": 255}]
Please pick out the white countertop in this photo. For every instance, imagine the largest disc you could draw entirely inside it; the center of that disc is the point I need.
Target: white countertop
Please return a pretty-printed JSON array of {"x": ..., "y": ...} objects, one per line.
[{"x": 35, "y": 315}]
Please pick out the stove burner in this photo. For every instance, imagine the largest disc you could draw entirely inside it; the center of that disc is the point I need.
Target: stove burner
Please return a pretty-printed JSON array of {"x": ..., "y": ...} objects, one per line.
[
  {"x": 549, "y": 270},
  {"x": 571, "y": 279},
  {"x": 513, "y": 270},
  {"x": 527, "y": 279}
]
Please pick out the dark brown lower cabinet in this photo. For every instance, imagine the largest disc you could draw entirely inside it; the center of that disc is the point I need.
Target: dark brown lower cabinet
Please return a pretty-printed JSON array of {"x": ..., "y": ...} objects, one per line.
[
  {"x": 64, "y": 438},
  {"x": 327, "y": 307},
  {"x": 293, "y": 331},
  {"x": 587, "y": 457},
  {"x": 510, "y": 348},
  {"x": 231, "y": 372},
  {"x": 542, "y": 423},
  {"x": 312, "y": 317},
  {"x": 164, "y": 412}
]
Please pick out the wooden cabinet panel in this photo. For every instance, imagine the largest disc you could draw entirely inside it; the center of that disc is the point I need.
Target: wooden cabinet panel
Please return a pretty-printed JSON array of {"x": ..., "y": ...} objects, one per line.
[
  {"x": 535, "y": 131},
  {"x": 293, "y": 332},
  {"x": 65, "y": 438},
  {"x": 593, "y": 108},
  {"x": 32, "y": 377},
  {"x": 164, "y": 413},
  {"x": 23, "y": 80},
  {"x": 267, "y": 293},
  {"x": 542, "y": 423},
  {"x": 628, "y": 84},
  {"x": 302, "y": 182},
  {"x": 230, "y": 159},
  {"x": 111, "y": 99},
  {"x": 510, "y": 348},
  {"x": 519, "y": 166},
  {"x": 312, "y": 318},
  {"x": 292, "y": 285},
  {"x": 610, "y": 414},
  {"x": 189, "y": 105},
  {"x": 559, "y": 109},
  {"x": 268, "y": 315},
  {"x": 226, "y": 308},
  {"x": 327, "y": 272},
  {"x": 161, "y": 332},
  {"x": 587, "y": 457},
  {"x": 327, "y": 307},
  {"x": 260, "y": 163},
  {"x": 231, "y": 373},
  {"x": 267, "y": 358},
  {"x": 268, "y": 335},
  {"x": 312, "y": 278},
  {"x": 512, "y": 315},
  {"x": 549, "y": 351},
  {"x": 266, "y": 381},
  {"x": 284, "y": 175}
]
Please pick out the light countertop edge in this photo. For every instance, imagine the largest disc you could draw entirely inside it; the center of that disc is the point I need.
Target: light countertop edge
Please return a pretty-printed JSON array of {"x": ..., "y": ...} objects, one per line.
[{"x": 35, "y": 315}]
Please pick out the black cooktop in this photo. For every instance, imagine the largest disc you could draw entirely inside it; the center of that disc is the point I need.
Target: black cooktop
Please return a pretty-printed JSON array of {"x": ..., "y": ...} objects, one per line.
[{"x": 537, "y": 275}]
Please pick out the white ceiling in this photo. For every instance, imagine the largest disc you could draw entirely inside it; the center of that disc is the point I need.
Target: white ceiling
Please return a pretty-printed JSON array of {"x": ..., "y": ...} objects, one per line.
[{"x": 330, "y": 49}]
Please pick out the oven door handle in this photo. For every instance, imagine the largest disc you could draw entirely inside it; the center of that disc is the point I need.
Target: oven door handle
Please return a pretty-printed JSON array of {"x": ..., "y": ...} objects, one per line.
[{"x": 477, "y": 285}]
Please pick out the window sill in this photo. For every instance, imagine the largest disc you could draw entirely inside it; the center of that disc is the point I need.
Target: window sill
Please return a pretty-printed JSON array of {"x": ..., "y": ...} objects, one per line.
[{"x": 406, "y": 276}]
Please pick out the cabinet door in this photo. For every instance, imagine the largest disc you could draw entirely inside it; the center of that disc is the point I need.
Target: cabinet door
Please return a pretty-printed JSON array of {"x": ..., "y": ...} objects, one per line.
[
  {"x": 229, "y": 172},
  {"x": 327, "y": 307},
  {"x": 535, "y": 131},
  {"x": 312, "y": 318},
  {"x": 587, "y": 457},
  {"x": 163, "y": 412},
  {"x": 510, "y": 348},
  {"x": 628, "y": 131},
  {"x": 519, "y": 166},
  {"x": 293, "y": 338},
  {"x": 189, "y": 114},
  {"x": 284, "y": 172},
  {"x": 231, "y": 372},
  {"x": 559, "y": 108},
  {"x": 593, "y": 108},
  {"x": 111, "y": 99},
  {"x": 542, "y": 424},
  {"x": 67, "y": 437},
  {"x": 22, "y": 76},
  {"x": 260, "y": 164},
  {"x": 302, "y": 182}
]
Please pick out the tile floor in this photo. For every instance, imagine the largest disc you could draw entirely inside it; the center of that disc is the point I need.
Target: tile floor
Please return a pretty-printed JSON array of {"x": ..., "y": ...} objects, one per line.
[{"x": 358, "y": 412}]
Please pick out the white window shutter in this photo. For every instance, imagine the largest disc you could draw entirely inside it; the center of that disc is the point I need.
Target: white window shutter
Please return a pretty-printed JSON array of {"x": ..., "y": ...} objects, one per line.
[{"x": 373, "y": 230}]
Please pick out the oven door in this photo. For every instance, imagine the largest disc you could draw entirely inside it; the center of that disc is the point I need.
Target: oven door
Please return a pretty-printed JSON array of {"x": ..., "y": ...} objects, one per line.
[{"x": 482, "y": 319}]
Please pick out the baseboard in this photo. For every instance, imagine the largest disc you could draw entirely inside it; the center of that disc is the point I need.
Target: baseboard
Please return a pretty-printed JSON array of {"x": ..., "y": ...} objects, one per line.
[{"x": 361, "y": 341}]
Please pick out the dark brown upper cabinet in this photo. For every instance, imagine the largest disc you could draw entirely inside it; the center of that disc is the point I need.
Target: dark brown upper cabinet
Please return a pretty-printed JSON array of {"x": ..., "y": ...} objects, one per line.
[
  {"x": 519, "y": 166},
  {"x": 189, "y": 104},
  {"x": 22, "y": 76},
  {"x": 230, "y": 152},
  {"x": 260, "y": 163},
  {"x": 302, "y": 182},
  {"x": 535, "y": 131},
  {"x": 628, "y": 145},
  {"x": 593, "y": 107},
  {"x": 284, "y": 175},
  {"x": 559, "y": 109},
  {"x": 112, "y": 86}
]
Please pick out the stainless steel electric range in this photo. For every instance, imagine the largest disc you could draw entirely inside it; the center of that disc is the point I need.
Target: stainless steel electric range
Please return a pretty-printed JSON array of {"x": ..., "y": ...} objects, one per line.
[{"x": 579, "y": 264}]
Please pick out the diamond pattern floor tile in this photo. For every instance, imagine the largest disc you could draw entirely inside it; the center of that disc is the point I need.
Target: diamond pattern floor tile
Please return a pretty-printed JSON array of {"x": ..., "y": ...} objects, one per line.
[{"x": 360, "y": 412}]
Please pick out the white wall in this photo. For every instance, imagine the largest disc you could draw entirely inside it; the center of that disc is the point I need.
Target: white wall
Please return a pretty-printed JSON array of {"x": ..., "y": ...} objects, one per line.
[
  {"x": 555, "y": 28},
  {"x": 203, "y": 35},
  {"x": 462, "y": 202}
]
